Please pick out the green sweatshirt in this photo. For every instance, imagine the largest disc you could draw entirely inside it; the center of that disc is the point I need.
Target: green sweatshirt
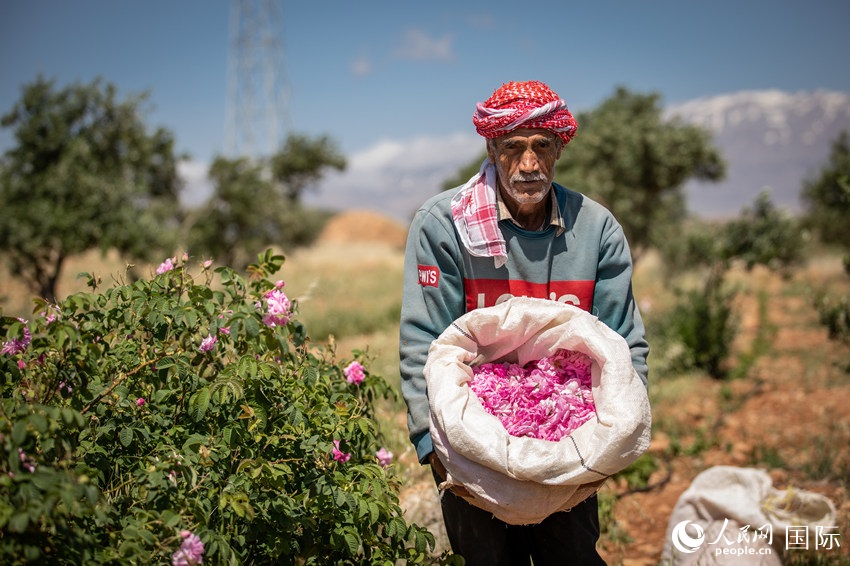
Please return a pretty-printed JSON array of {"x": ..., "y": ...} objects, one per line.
[{"x": 588, "y": 265}]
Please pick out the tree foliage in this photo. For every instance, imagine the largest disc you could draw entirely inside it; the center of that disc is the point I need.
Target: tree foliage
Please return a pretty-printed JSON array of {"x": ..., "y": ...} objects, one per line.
[
  {"x": 134, "y": 415},
  {"x": 702, "y": 324},
  {"x": 764, "y": 235},
  {"x": 302, "y": 162},
  {"x": 256, "y": 202},
  {"x": 761, "y": 234},
  {"x": 635, "y": 162},
  {"x": 827, "y": 196},
  {"x": 84, "y": 173}
]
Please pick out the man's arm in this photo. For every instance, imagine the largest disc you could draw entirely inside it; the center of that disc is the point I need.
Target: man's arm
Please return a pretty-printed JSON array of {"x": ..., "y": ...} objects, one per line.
[
  {"x": 432, "y": 300},
  {"x": 613, "y": 301}
]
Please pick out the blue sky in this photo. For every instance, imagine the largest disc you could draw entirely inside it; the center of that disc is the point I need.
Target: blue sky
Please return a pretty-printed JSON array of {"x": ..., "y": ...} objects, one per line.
[{"x": 384, "y": 79}]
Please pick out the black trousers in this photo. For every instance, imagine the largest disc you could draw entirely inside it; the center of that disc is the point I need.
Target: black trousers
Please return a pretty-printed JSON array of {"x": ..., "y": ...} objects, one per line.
[{"x": 563, "y": 538}]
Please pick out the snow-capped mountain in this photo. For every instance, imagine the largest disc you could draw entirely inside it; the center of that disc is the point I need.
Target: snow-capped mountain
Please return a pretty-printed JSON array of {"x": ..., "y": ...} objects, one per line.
[{"x": 769, "y": 139}]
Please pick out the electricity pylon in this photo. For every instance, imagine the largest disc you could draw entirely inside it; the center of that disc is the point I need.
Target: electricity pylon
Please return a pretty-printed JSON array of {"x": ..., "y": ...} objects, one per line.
[{"x": 257, "y": 88}]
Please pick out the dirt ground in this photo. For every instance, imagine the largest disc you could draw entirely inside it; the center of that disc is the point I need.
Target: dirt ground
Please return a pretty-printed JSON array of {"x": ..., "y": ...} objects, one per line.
[{"x": 789, "y": 416}]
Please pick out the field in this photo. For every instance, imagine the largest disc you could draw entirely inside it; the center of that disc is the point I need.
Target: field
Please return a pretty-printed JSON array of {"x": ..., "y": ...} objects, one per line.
[{"x": 785, "y": 411}]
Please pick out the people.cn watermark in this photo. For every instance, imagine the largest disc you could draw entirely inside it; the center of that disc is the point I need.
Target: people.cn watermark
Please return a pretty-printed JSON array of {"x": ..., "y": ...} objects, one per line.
[{"x": 689, "y": 537}]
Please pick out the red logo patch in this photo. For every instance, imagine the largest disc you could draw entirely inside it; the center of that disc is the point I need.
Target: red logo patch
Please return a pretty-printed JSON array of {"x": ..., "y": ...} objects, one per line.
[
  {"x": 429, "y": 275},
  {"x": 488, "y": 292}
]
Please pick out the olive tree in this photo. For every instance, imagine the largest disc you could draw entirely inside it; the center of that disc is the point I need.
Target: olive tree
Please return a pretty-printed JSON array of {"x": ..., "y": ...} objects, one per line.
[
  {"x": 257, "y": 202},
  {"x": 636, "y": 162},
  {"x": 84, "y": 173},
  {"x": 827, "y": 196}
]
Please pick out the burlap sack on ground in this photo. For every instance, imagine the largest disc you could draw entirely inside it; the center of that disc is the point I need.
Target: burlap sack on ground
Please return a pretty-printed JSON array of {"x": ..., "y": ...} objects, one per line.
[
  {"x": 524, "y": 480},
  {"x": 721, "y": 501}
]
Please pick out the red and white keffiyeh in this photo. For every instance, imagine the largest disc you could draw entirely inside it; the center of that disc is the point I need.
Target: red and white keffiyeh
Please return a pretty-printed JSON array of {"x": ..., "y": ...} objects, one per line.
[
  {"x": 529, "y": 104},
  {"x": 476, "y": 216}
]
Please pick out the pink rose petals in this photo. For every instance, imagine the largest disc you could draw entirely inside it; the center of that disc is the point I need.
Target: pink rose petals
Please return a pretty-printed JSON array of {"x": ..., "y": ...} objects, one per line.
[
  {"x": 354, "y": 373},
  {"x": 546, "y": 399}
]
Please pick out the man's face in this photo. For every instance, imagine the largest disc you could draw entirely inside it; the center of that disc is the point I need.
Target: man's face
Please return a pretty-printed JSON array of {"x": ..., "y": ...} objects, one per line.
[{"x": 525, "y": 162}]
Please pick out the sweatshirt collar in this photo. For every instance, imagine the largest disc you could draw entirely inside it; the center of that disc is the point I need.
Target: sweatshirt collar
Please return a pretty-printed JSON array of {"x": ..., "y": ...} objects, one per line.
[{"x": 555, "y": 219}]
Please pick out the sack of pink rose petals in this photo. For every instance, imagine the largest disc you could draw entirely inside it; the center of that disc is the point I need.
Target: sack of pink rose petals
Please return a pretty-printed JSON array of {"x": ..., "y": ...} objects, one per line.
[
  {"x": 534, "y": 404},
  {"x": 547, "y": 398}
]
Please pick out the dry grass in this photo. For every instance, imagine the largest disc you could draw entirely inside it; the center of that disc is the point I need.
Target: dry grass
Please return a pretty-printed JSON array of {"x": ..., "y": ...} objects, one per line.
[{"x": 16, "y": 298}]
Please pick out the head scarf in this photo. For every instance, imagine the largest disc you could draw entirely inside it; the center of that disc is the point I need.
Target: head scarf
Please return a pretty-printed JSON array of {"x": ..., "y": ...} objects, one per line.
[{"x": 529, "y": 104}]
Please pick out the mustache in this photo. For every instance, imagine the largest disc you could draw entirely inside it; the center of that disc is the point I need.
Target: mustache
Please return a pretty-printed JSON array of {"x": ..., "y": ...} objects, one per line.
[{"x": 527, "y": 177}]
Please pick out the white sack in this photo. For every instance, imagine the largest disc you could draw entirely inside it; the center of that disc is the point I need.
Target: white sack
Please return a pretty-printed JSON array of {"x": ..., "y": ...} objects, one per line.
[
  {"x": 722, "y": 500},
  {"x": 524, "y": 480}
]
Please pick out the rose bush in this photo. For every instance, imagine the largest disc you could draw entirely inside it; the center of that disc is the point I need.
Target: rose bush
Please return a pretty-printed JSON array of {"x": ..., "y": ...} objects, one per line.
[{"x": 174, "y": 420}]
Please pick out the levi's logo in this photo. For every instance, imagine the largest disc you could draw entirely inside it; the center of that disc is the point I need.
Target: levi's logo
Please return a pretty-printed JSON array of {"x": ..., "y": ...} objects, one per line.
[
  {"x": 489, "y": 292},
  {"x": 429, "y": 275}
]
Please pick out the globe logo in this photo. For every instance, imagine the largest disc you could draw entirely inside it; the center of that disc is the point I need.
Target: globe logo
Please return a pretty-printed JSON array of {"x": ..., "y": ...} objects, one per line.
[{"x": 683, "y": 541}]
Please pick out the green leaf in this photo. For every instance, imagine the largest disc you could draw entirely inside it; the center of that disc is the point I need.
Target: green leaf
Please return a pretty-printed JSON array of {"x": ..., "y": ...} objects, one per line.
[
  {"x": 353, "y": 542},
  {"x": 19, "y": 521},
  {"x": 252, "y": 327},
  {"x": 400, "y": 527},
  {"x": 374, "y": 512},
  {"x": 199, "y": 403},
  {"x": 193, "y": 443},
  {"x": 72, "y": 418},
  {"x": 19, "y": 432},
  {"x": 364, "y": 426},
  {"x": 227, "y": 436},
  {"x": 391, "y": 529},
  {"x": 421, "y": 542},
  {"x": 227, "y": 385},
  {"x": 190, "y": 318},
  {"x": 261, "y": 415},
  {"x": 339, "y": 498},
  {"x": 126, "y": 436},
  {"x": 161, "y": 395},
  {"x": 247, "y": 366},
  {"x": 311, "y": 374}
]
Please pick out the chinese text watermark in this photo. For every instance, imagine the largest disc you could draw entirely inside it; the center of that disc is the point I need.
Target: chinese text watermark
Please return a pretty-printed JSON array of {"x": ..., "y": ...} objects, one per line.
[{"x": 688, "y": 537}]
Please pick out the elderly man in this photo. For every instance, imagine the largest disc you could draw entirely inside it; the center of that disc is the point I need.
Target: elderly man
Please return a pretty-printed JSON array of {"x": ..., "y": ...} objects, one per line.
[{"x": 511, "y": 231}]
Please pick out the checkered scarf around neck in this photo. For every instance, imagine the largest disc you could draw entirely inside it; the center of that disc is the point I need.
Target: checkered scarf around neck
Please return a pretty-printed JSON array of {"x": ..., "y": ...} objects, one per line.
[
  {"x": 514, "y": 105},
  {"x": 476, "y": 216}
]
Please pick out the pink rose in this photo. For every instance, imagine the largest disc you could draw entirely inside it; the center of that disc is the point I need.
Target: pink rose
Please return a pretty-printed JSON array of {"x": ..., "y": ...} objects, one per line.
[
  {"x": 354, "y": 373},
  {"x": 339, "y": 455}
]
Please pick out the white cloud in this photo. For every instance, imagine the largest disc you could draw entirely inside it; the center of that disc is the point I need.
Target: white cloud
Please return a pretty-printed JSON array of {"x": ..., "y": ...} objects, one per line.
[
  {"x": 197, "y": 187},
  {"x": 392, "y": 176},
  {"x": 416, "y": 155},
  {"x": 382, "y": 155},
  {"x": 418, "y": 46},
  {"x": 395, "y": 176},
  {"x": 361, "y": 66}
]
